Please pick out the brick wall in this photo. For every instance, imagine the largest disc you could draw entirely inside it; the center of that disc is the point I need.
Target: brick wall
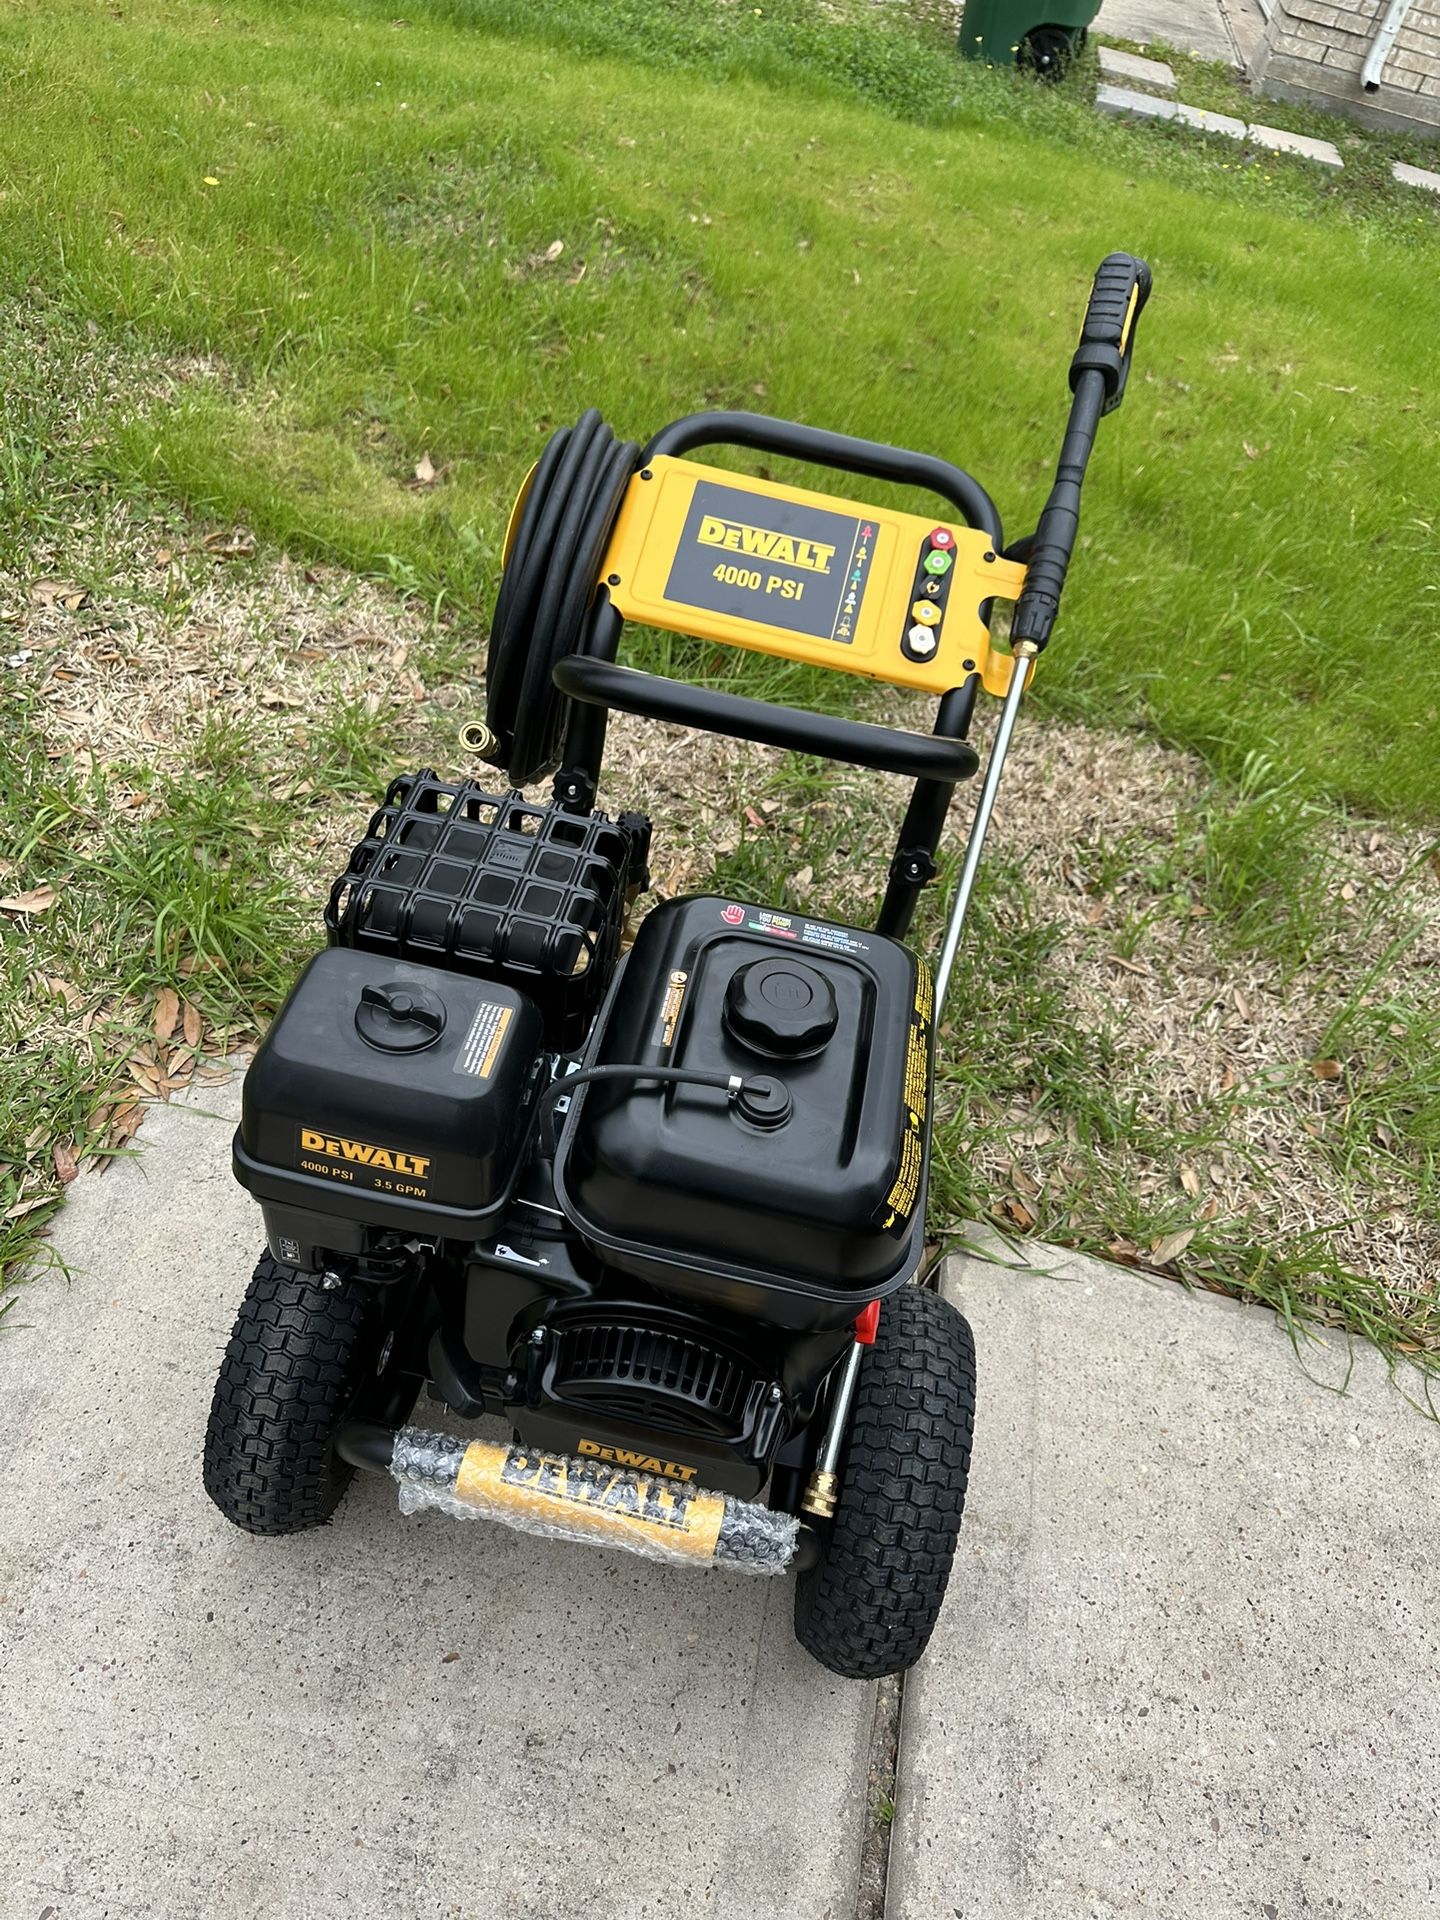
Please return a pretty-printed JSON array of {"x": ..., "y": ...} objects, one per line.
[{"x": 1314, "y": 50}]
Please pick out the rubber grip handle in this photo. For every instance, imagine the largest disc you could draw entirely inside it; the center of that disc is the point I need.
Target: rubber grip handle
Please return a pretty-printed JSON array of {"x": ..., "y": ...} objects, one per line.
[{"x": 1107, "y": 338}]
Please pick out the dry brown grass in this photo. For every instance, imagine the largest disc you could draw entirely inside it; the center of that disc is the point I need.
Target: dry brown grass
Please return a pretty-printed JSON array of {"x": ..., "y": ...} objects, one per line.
[
  {"x": 151, "y": 650},
  {"x": 1205, "y": 1023}
]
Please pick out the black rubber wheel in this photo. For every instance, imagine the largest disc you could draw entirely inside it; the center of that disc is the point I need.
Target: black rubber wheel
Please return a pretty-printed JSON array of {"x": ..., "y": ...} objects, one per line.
[
  {"x": 868, "y": 1606},
  {"x": 300, "y": 1361},
  {"x": 1049, "y": 52}
]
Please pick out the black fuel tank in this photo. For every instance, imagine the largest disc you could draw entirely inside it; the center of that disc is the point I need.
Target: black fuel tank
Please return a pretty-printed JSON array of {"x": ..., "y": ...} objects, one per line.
[
  {"x": 391, "y": 1094},
  {"x": 821, "y": 1183}
]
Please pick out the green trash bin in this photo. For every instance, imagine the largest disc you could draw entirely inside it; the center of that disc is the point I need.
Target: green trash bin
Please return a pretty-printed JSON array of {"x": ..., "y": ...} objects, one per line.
[{"x": 1042, "y": 36}]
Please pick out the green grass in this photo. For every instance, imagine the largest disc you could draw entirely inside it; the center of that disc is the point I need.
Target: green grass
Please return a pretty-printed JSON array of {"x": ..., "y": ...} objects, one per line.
[
  {"x": 265, "y": 260},
  {"x": 1023, "y": 1080},
  {"x": 771, "y": 228},
  {"x": 184, "y": 896}
]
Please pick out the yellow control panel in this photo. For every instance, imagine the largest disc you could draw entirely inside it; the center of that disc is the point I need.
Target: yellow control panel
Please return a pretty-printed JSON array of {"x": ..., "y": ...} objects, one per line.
[{"x": 831, "y": 582}]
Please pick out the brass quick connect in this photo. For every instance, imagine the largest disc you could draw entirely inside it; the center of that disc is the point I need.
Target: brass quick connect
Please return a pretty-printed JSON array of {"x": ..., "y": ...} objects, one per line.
[
  {"x": 821, "y": 1494},
  {"x": 476, "y": 737}
]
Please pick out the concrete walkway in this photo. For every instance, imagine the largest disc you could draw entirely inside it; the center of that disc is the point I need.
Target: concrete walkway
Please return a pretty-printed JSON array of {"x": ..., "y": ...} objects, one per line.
[
  {"x": 1188, "y": 1663},
  {"x": 1187, "y": 1667},
  {"x": 388, "y": 1720},
  {"x": 1227, "y": 30}
]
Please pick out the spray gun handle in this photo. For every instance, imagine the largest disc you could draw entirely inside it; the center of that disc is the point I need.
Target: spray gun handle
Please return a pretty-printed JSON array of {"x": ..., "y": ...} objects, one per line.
[
  {"x": 1107, "y": 338},
  {"x": 1098, "y": 373}
]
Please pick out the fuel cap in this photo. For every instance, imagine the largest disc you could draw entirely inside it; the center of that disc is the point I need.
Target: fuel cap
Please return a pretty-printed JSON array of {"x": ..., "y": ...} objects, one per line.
[
  {"x": 399, "y": 1019},
  {"x": 780, "y": 1008}
]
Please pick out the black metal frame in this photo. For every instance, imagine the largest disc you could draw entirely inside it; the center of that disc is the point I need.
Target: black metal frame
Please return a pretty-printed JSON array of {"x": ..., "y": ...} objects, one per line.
[{"x": 936, "y": 762}]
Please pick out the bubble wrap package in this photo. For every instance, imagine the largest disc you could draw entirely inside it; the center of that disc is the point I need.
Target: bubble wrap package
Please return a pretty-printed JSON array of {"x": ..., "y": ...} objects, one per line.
[{"x": 598, "y": 1501}]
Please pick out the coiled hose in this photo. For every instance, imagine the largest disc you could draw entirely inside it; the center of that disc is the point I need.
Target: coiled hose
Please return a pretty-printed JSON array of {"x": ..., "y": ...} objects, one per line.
[{"x": 548, "y": 589}]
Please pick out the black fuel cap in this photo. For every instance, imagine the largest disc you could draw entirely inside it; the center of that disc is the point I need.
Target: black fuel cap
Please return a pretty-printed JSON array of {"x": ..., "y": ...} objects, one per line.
[
  {"x": 399, "y": 1019},
  {"x": 781, "y": 1008}
]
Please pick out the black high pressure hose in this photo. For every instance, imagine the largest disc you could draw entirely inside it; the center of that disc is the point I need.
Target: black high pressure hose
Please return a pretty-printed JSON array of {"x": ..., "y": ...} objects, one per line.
[
  {"x": 761, "y": 1099},
  {"x": 548, "y": 588}
]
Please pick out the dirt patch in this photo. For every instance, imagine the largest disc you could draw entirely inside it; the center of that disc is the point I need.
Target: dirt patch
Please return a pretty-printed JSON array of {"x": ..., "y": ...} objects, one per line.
[
  {"x": 149, "y": 651},
  {"x": 1203, "y": 1022}
]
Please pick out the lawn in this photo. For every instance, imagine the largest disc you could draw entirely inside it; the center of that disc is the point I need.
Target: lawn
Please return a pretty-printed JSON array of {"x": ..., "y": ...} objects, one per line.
[
  {"x": 427, "y": 237},
  {"x": 264, "y": 264}
]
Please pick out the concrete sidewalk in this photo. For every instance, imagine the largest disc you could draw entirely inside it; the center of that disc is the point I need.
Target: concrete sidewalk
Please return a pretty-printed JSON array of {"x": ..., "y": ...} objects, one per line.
[
  {"x": 1227, "y": 30},
  {"x": 1188, "y": 1663},
  {"x": 1187, "y": 1667},
  {"x": 388, "y": 1720}
]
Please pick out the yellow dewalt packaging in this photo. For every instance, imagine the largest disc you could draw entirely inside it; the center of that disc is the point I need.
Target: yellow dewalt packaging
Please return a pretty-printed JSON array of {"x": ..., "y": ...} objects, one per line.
[{"x": 590, "y": 1499}]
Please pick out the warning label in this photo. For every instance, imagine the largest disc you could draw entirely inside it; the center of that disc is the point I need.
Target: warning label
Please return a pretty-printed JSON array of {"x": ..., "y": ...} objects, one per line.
[
  {"x": 924, "y": 994},
  {"x": 915, "y": 1096},
  {"x": 787, "y": 926},
  {"x": 480, "y": 1048},
  {"x": 664, "y": 1034},
  {"x": 917, "y": 1073},
  {"x": 779, "y": 563},
  {"x": 903, "y": 1194}
]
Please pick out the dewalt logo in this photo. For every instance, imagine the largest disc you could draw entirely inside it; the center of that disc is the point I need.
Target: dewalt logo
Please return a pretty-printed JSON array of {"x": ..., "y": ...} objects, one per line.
[
  {"x": 359, "y": 1153},
  {"x": 781, "y": 549},
  {"x": 641, "y": 1462}
]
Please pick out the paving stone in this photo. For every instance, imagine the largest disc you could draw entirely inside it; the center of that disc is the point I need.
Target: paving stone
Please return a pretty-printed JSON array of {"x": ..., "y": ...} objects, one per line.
[
  {"x": 1186, "y": 1667},
  {"x": 1415, "y": 177},
  {"x": 1134, "y": 69},
  {"x": 1279, "y": 140},
  {"x": 1142, "y": 106},
  {"x": 1208, "y": 122}
]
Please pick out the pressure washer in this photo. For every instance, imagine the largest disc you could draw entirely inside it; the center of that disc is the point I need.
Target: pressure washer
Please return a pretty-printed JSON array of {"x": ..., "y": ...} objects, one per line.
[{"x": 659, "y": 1210}]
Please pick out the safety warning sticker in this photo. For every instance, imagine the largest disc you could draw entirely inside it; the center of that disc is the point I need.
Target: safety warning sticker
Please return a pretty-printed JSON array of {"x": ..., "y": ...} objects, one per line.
[
  {"x": 480, "y": 1048},
  {"x": 664, "y": 1034},
  {"x": 915, "y": 1096},
  {"x": 786, "y": 926},
  {"x": 779, "y": 563}
]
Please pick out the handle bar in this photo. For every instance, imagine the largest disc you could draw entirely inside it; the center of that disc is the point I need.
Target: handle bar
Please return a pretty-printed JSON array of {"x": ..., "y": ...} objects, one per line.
[
  {"x": 888, "y": 749},
  {"x": 1099, "y": 371},
  {"x": 842, "y": 451},
  {"x": 1107, "y": 339}
]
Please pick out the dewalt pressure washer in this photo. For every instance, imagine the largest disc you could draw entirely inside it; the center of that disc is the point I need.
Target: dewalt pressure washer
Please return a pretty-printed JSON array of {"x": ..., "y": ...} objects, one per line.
[{"x": 662, "y": 1213}]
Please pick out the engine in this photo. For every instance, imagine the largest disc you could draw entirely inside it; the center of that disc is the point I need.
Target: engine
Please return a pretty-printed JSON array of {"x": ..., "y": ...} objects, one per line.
[
  {"x": 808, "y": 1187},
  {"x": 608, "y": 1268}
]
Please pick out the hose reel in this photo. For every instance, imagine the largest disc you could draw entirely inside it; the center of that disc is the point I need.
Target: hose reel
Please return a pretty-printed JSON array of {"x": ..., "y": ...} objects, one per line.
[{"x": 561, "y": 530}]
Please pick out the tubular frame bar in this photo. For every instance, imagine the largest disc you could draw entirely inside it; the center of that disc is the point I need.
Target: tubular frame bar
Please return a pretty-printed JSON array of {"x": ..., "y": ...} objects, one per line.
[
  {"x": 913, "y": 866},
  {"x": 918, "y": 756},
  {"x": 842, "y": 451}
]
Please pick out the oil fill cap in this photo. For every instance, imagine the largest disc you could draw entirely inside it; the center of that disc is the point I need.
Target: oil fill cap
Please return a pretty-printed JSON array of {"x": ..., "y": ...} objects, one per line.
[
  {"x": 780, "y": 1008},
  {"x": 399, "y": 1019}
]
